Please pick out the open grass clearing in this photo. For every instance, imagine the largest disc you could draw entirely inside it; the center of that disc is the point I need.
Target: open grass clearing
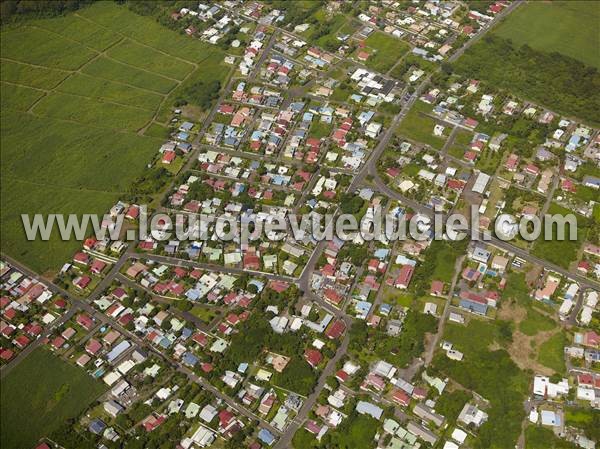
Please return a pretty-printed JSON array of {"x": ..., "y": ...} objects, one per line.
[
  {"x": 419, "y": 127},
  {"x": 552, "y": 353},
  {"x": 384, "y": 51}
]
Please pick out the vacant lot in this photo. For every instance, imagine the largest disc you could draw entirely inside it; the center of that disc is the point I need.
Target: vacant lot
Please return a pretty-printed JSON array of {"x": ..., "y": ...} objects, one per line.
[
  {"x": 79, "y": 95},
  {"x": 419, "y": 127},
  {"x": 561, "y": 252},
  {"x": 55, "y": 391},
  {"x": 561, "y": 26},
  {"x": 384, "y": 51}
]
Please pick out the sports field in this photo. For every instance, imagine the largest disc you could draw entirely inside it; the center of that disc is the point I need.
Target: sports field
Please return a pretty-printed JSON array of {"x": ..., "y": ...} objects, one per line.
[
  {"x": 567, "y": 27},
  {"x": 39, "y": 395},
  {"x": 81, "y": 98}
]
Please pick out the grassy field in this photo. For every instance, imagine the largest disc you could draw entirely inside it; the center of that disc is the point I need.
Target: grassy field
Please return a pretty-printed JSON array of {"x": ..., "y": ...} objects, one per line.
[
  {"x": 561, "y": 26},
  {"x": 55, "y": 391},
  {"x": 416, "y": 126},
  {"x": 85, "y": 103},
  {"x": 561, "y": 252},
  {"x": 385, "y": 51},
  {"x": 552, "y": 354}
]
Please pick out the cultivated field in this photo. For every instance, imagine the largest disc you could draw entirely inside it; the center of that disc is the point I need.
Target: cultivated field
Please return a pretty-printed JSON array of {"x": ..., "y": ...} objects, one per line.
[
  {"x": 82, "y": 97},
  {"x": 39, "y": 395},
  {"x": 567, "y": 27}
]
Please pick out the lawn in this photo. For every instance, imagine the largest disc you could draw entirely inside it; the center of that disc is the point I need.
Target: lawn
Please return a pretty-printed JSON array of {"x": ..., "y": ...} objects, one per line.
[
  {"x": 319, "y": 129},
  {"x": 536, "y": 322},
  {"x": 552, "y": 354},
  {"x": 384, "y": 51},
  {"x": 206, "y": 314},
  {"x": 103, "y": 74},
  {"x": 55, "y": 391},
  {"x": 561, "y": 26},
  {"x": 419, "y": 127},
  {"x": 561, "y": 252}
]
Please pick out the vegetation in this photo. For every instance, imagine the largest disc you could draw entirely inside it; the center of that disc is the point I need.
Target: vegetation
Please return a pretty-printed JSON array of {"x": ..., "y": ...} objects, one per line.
[
  {"x": 561, "y": 252},
  {"x": 560, "y": 26},
  {"x": 355, "y": 432},
  {"x": 552, "y": 354},
  {"x": 400, "y": 350},
  {"x": 384, "y": 51},
  {"x": 451, "y": 404},
  {"x": 543, "y": 438},
  {"x": 559, "y": 82},
  {"x": 586, "y": 419},
  {"x": 72, "y": 125},
  {"x": 14, "y": 10},
  {"x": 490, "y": 373},
  {"x": 418, "y": 126},
  {"x": 440, "y": 258},
  {"x": 61, "y": 393}
]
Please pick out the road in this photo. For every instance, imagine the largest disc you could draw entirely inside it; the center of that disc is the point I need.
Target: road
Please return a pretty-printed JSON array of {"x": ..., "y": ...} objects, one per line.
[
  {"x": 506, "y": 246},
  {"x": 370, "y": 168}
]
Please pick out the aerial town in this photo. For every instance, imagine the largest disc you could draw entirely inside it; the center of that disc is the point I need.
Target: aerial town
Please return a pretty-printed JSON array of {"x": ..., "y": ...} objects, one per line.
[{"x": 263, "y": 110}]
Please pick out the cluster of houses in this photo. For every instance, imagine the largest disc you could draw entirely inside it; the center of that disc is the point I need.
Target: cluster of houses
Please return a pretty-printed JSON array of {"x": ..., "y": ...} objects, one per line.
[{"x": 27, "y": 308}]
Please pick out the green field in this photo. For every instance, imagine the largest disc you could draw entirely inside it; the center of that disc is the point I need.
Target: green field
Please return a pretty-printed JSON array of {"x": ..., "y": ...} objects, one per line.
[
  {"x": 545, "y": 52},
  {"x": 561, "y": 252},
  {"x": 39, "y": 395},
  {"x": 86, "y": 100},
  {"x": 552, "y": 353},
  {"x": 388, "y": 50},
  {"x": 567, "y": 27},
  {"x": 419, "y": 127}
]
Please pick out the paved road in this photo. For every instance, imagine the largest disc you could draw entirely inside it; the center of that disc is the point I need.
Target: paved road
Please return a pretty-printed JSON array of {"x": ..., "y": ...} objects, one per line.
[{"x": 523, "y": 253}]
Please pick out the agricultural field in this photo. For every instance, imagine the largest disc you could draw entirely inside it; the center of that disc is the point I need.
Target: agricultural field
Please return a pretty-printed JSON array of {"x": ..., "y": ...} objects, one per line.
[
  {"x": 556, "y": 39},
  {"x": 561, "y": 26},
  {"x": 86, "y": 100},
  {"x": 56, "y": 392}
]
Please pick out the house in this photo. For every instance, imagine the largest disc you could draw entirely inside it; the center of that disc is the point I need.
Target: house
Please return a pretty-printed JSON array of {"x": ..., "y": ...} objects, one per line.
[
  {"x": 404, "y": 277},
  {"x": 437, "y": 288},
  {"x": 426, "y": 413},
  {"x": 313, "y": 357},
  {"x": 335, "y": 330},
  {"x": 367, "y": 408},
  {"x": 543, "y": 388},
  {"x": 85, "y": 321},
  {"x": 470, "y": 414}
]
